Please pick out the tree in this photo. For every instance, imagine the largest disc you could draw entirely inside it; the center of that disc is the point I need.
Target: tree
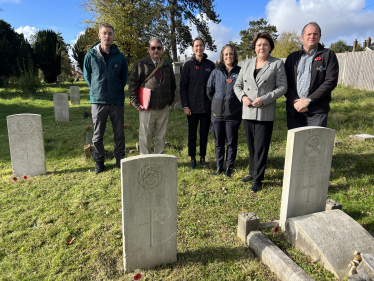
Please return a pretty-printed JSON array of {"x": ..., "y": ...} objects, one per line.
[
  {"x": 359, "y": 48},
  {"x": 83, "y": 44},
  {"x": 48, "y": 48},
  {"x": 287, "y": 43},
  {"x": 339, "y": 46},
  {"x": 247, "y": 35},
  {"x": 135, "y": 22},
  {"x": 14, "y": 49}
]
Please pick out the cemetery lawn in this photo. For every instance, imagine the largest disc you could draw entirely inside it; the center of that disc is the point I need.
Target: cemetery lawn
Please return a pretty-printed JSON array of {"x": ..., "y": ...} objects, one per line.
[{"x": 66, "y": 225}]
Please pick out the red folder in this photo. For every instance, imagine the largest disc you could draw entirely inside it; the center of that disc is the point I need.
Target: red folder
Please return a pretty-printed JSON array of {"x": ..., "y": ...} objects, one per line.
[{"x": 144, "y": 96}]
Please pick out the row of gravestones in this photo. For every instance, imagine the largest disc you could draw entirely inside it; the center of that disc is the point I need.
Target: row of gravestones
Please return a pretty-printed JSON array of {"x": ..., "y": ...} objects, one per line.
[
  {"x": 149, "y": 198},
  {"x": 25, "y": 133}
]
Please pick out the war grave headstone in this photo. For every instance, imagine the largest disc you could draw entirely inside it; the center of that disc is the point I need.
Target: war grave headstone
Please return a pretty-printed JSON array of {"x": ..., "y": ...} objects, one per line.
[
  {"x": 331, "y": 237},
  {"x": 26, "y": 144},
  {"x": 149, "y": 210},
  {"x": 177, "y": 104},
  {"x": 61, "y": 107},
  {"x": 362, "y": 137},
  {"x": 306, "y": 171},
  {"x": 75, "y": 95}
]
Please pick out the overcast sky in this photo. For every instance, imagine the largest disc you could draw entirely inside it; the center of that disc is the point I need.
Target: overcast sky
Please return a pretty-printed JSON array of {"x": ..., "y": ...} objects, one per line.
[{"x": 339, "y": 19}]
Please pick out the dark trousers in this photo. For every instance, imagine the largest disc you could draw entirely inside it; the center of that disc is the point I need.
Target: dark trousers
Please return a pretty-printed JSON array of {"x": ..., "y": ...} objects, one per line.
[
  {"x": 304, "y": 119},
  {"x": 100, "y": 114},
  {"x": 226, "y": 130},
  {"x": 258, "y": 136},
  {"x": 193, "y": 122}
]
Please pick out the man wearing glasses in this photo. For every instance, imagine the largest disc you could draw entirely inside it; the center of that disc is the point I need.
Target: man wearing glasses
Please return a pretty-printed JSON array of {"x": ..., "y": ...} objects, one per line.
[
  {"x": 162, "y": 85},
  {"x": 105, "y": 71}
]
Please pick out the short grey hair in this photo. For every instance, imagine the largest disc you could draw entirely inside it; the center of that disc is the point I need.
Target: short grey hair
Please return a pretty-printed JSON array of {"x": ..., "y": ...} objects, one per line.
[
  {"x": 313, "y": 23},
  {"x": 155, "y": 39}
]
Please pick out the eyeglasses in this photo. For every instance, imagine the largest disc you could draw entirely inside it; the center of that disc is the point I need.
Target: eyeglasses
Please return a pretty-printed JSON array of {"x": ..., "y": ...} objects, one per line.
[{"x": 158, "y": 48}]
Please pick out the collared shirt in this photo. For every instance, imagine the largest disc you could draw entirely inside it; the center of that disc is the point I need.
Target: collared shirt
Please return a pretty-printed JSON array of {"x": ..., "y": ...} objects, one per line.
[
  {"x": 304, "y": 73},
  {"x": 155, "y": 62}
]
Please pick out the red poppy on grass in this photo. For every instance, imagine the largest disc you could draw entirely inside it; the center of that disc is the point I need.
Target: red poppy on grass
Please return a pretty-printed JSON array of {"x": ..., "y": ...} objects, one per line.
[
  {"x": 197, "y": 67},
  {"x": 229, "y": 80},
  {"x": 276, "y": 229},
  {"x": 14, "y": 178},
  {"x": 318, "y": 58},
  {"x": 25, "y": 177},
  {"x": 57, "y": 120},
  {"x": 137, "y": 276}
]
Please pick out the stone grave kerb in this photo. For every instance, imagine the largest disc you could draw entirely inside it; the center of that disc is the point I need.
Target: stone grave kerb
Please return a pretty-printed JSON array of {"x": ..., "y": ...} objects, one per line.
[{"x": 306, "y": 171}]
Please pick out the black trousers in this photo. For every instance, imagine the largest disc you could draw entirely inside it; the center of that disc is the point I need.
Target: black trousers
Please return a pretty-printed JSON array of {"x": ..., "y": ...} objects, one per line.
[
  {"x": 258, "y": 136},
  {"x": 302, "y": 119},
  {"x": 226, "y": 130},
  {"x": 193, "y": 122},
  {"x": 100, "y": 113}
]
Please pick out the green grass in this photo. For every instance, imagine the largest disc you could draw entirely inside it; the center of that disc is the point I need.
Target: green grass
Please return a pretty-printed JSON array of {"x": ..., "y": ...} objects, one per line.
[{"x": 40, "y": 216}]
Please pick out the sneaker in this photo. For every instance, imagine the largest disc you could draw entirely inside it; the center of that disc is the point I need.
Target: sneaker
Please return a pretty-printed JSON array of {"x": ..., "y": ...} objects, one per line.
[
  {"x": 203, "y": 162},
  {"x": 99, "y": 167},
  {"x": 247, "y": 178},
  {"x": 256, "y": 186}
]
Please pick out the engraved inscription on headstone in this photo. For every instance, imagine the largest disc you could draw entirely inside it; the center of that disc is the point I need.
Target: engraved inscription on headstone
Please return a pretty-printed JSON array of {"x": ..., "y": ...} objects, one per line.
[
  {"x": 75, "y": 95},
  {"x": 331, "y": 237},
  {"x": 149, "y": 210},
  {"x": 306, "y": 171},
  {"x": 26, "y": 144},
  {"x": 61, "y": 107}
]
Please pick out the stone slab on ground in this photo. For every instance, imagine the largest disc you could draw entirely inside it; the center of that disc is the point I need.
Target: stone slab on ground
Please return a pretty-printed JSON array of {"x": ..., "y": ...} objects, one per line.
[
  {"x": 365, "y": 269},
  {"x": 61, "y": 107},
  {"x": 278, "y": 262},
  {"x": 306, "y": 171},
  {"x": 362, "y": 137},
  {"x": 75, "y": 95},
  {"x": 331, "y": 237},
  {"x": 149, "y": 211},
  {"x": 26, "y": 144}
]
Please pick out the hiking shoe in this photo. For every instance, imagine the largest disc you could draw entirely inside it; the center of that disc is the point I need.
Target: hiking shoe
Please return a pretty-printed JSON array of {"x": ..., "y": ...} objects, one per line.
[
  {"x": 99, "y": 167},
  {"x": 256, "y": 186}
]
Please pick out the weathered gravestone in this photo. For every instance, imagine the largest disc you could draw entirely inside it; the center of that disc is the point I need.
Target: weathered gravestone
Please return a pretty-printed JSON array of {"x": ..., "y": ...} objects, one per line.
[
  {"x": 177, "y": 104},
  {"x": 26, "y": 144},
  {"x": 61, "y": 106},
  {"x": 331, "y": 237},
  {"x": 75, "y": 97},
  {"x": 149, "y": 211},
  {"x": 306, "y": 171}
]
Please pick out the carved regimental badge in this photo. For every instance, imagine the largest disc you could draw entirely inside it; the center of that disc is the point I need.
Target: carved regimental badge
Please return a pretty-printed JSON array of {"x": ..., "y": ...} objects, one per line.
[
  {"x": 314, "y": 146},
  {"x": 150, "y": 176}
]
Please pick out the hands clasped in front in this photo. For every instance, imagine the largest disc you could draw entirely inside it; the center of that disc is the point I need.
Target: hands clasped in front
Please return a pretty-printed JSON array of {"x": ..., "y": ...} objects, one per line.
[
  {"x": 301, "y": 105},
  {"x": 247, "y": 101}
]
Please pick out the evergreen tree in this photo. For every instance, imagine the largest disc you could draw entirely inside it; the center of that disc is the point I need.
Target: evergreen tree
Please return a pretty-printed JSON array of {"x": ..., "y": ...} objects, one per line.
[
  {"x": 339, "y": 46},
  {"x": 48, "y": 48},
  {"x": 81, "y": 47}
]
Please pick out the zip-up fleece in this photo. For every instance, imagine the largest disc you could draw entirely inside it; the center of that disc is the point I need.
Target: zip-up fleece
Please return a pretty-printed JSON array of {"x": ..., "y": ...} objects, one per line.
[
  {"x": 162, "y": 93},
  {"x": 195, "y": 75},
  {"x": 324, "y": 78},
  {"x": 220, "y": 90},
  {"x": 106, "y": 80}
]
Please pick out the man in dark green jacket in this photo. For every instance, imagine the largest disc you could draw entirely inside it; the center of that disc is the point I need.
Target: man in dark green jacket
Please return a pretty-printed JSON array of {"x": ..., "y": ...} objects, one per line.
[{"x": 105, "y": 71}]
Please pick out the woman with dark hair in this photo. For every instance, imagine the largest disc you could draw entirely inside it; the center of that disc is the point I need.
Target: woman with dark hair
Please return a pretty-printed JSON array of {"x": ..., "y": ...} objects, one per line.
[
  {"x": 195, "y": 102},
  {"x": 226, "y": 108},
  {"x": 261, "y": 82}
]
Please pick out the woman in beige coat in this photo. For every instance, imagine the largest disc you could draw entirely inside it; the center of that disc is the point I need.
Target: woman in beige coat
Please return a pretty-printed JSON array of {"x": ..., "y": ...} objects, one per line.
[{"x": 261, "y": 81}]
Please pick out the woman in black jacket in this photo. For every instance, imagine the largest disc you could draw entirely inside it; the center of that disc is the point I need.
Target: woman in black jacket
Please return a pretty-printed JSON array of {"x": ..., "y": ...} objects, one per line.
[
  {"x": 195, "y": 102},
  {"x": 226, "y": 108}
]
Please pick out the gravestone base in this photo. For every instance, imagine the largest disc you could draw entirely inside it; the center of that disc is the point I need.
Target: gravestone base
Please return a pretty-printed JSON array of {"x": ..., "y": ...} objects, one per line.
[
  {"x": 246, "y": 223},
  {"x": 333, "y": 205},
  {"x": 331, "y": 237}
]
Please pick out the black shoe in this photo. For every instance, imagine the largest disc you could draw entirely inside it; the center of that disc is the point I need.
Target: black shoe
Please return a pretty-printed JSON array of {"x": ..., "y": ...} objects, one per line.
[
  {"x": 218, "y": 171},
  {"x": 247, "y": 178},
  {"x": 193, "y": 163},
  {"x": 118, "y": 163},
  {"x": 99, "y": 167},
  {"x": 228, "y": 172},
  {"x": 202, "y": 162},
  {"x": 256, "y": 186}
]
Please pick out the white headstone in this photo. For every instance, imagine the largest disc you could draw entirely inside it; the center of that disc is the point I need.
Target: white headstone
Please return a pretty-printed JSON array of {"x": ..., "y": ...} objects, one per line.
[
  {"x": 306, "y": 171},
  {"x": 330, "y": 237},
  {"x": 61, "y": 106},
  {"x": 149, "y": 210},
  {"x": 26, "y": 144},
  {"x": 362, "y": 137},
  {"x": 75, "y": 97},
  {"x": 177, "y": 67}
]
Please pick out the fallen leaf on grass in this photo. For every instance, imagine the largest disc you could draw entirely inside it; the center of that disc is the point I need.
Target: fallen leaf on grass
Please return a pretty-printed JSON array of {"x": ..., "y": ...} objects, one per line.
[
  {"x": 119, "y": 209},
  {"x": 71, "y": 241}
]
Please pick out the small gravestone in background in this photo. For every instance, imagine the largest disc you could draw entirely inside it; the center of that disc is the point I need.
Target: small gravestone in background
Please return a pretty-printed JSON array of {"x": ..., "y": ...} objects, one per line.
[
  {"x": 60, "y": 78},
  {"x": 75, "y": 95},
  {"x": 331, "y": 237},
  {"x": 306, "y": 171},
  {"x": 362, "y": 137},
  {"x": 149, "y": 211},
  {"x": 61, "y": 107},
  {"x": 26, "y": 144}
]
